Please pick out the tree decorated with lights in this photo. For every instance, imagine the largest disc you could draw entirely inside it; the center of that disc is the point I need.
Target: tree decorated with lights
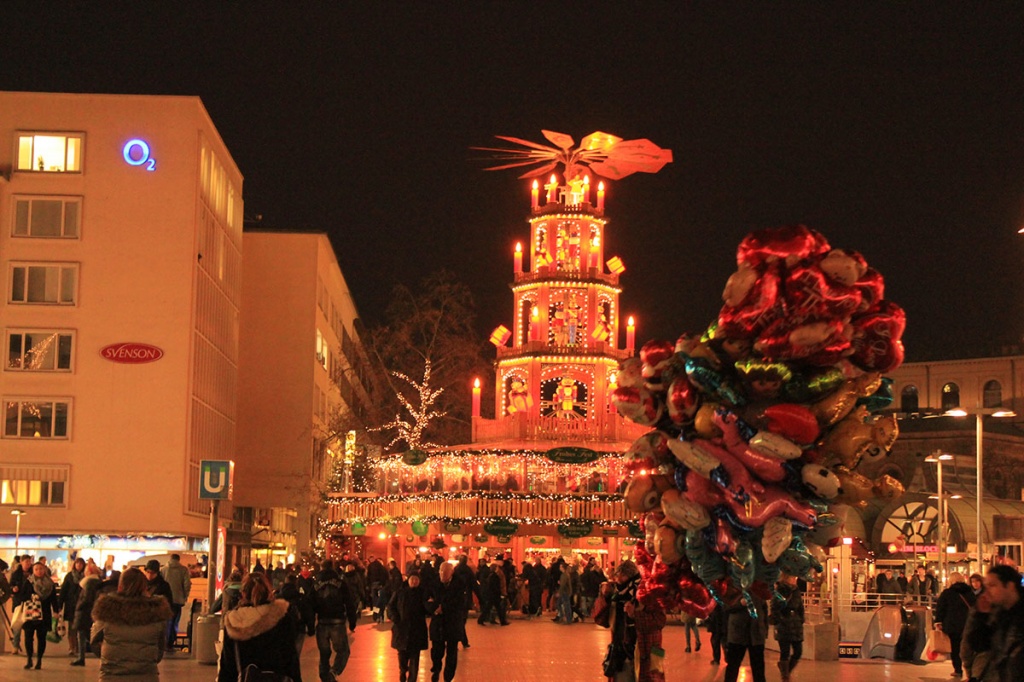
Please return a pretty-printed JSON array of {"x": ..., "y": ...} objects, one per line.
[{"x": 420, "y": 413}]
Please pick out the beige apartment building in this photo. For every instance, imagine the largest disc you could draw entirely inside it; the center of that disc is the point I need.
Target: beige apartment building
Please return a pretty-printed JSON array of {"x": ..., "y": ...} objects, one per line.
[
  {"x": 121, "y": 253},
  {"x": 121, "y": 247}
]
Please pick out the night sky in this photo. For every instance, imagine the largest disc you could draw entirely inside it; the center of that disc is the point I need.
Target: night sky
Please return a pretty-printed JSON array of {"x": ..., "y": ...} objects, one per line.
[{"x": 895, "y": 129}]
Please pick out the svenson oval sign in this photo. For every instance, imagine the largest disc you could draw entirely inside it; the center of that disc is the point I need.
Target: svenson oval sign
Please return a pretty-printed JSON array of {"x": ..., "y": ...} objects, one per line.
[{"x": 131, "y": 353}]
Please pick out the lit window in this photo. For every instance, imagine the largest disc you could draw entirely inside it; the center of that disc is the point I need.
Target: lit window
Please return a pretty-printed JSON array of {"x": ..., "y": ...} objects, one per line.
[
  {"x": 47, "y": 217},
  {"x": 34, "y": 485},
  {"x": 50, "y": 152},
  {"x": 44, "y": 283},
  {"x": 950, "y": 396},
  {"x": 321, "y": 349},
  {"x": 39, "y": 351},
  {"x": 36, "y": 419}
]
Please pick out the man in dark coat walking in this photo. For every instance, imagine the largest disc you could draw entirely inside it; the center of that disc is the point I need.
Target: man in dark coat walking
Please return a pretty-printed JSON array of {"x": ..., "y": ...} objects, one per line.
[
  {"x": 951, "y": 612},
  {"x": 787, "y": 615},
  {"x": 334, "y": 604},
  {"x": 537, "y": 584},
  {"x": 447, "y": 625},
  {"x": 409, "y": 633}
]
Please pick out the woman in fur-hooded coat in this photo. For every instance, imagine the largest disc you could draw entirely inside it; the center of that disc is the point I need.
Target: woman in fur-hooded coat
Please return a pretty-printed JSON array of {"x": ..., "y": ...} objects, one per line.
[
  {"x": 129, "y": 628},
  {"x": 263, "y": 629}
]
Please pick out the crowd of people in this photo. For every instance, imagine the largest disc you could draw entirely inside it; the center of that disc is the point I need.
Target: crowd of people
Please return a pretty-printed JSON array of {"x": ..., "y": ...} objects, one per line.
[{"x": 130, "y": 618}]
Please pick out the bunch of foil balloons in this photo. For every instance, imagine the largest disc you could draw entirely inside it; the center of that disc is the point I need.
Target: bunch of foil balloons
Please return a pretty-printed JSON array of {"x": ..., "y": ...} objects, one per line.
[{"x": 763, "y": 423}]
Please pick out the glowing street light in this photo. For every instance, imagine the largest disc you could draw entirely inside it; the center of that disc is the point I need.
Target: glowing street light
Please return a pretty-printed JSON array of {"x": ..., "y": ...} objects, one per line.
[
  {"x": 980, "y": 413},
  {"x": 17, "y": 514}
]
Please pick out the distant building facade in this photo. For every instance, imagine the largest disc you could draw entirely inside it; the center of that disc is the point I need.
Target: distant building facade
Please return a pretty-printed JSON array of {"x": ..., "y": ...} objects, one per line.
[
  {"x": 302, "y": 394},
  {"x": 924, "y": 392}
]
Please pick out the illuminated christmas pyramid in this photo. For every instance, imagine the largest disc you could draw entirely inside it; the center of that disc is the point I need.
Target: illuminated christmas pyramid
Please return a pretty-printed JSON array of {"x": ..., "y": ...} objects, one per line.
[{"x": 546, "y": 470}]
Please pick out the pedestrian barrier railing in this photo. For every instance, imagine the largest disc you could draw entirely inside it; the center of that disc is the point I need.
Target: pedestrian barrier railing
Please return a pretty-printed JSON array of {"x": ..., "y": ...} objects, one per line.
[{"x": 821, "y": 608}]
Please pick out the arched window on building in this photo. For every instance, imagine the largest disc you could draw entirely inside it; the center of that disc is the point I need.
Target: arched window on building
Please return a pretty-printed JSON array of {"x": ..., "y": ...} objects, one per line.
[
  {"x": 950, "y": 396},
  {"x": 993, "y": 394},
  {"x": 908, "y": 399}
]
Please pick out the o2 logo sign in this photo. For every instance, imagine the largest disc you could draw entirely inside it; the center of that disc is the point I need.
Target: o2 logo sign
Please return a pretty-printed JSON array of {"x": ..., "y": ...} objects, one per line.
[{"x": 136, "y": 153}]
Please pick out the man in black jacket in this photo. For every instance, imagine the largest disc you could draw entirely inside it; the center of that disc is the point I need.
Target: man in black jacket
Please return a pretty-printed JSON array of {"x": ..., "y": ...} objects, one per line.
[
  {"x": 448, "y": 624},
  {"x": 377, "y": 580},
  {"x": 951, "y": 612},
  {"x": 333, "y": 603}
]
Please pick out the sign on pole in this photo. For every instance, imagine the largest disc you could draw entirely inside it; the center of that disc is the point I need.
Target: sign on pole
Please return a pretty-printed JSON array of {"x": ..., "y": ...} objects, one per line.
[{"x": 216, "y": 479}]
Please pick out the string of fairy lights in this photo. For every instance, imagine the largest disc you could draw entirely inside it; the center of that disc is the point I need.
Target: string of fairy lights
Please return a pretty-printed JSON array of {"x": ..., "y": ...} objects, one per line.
[{"x": 508, "y": 458}]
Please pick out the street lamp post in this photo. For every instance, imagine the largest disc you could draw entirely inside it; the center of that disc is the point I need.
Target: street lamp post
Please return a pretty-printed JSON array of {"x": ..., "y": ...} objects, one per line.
[
  {"x": 980, "y": 413},
  {"x": 17, "y": 514},
  {"x": 938, "y": 457}
]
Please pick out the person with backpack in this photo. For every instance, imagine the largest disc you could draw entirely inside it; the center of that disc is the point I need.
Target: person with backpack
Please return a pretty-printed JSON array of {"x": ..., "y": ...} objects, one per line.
[{"x": 336, "y": 612}]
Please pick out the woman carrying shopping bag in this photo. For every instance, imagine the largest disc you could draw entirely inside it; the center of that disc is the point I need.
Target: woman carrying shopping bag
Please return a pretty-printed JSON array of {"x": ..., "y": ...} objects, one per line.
[{"x": 38, "y": 614}]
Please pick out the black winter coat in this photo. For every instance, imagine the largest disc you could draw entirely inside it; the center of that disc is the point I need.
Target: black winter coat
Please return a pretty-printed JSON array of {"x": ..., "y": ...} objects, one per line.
[
  {"x": 70, "y": 589},
  {"x": 49, "y": 604},
  {"x": 333, "y": 599},
  {"x": 265, "y": 635},
  {"x": 86, "y": 601},
  {"x": 409, "y": 606},
  {"x": 787, "y": 614},
  {"x": 21, "y": 586},
  {"x": 446, "y": 605},
  {"x": 302, "y": 606},
  {"x": 952, "y": 607}
]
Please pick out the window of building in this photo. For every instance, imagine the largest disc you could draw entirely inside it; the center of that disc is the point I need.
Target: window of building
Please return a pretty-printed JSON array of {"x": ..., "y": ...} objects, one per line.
[
  {"x": 47, "y": 217},
  {"x": 39, "y": 351},
  {"x": 34, "y": 485},
  {"x": 36, "y": 418},
  {"x": 908, "y": 399},
  {"x": 50, "y": 152},
  {"x": 321, "y": 349},
  {"x": 32, "y": 493},
  {"x": 993, "y": 394},
  {"x": 950, "y": 396},
  {"x": 44, "y": 283}
]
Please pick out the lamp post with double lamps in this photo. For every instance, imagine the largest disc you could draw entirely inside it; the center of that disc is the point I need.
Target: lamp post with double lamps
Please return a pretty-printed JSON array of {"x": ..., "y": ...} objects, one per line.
[
  {"x": 979, "y": 429},
  {"x": 938, "y": 457}
]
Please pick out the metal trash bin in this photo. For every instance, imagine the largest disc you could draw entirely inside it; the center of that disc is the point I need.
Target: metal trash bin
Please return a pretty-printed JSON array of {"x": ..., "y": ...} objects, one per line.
[{"x": 205, "y": 632}]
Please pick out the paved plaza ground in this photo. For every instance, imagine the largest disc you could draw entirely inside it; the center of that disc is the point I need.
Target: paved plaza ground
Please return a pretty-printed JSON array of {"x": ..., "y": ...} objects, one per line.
[{"x": 527, "y": 651}]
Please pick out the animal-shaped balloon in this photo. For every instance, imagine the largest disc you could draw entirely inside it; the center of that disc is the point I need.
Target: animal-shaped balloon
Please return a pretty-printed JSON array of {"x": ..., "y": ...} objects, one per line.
[{"x": 858, "y": 437}]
